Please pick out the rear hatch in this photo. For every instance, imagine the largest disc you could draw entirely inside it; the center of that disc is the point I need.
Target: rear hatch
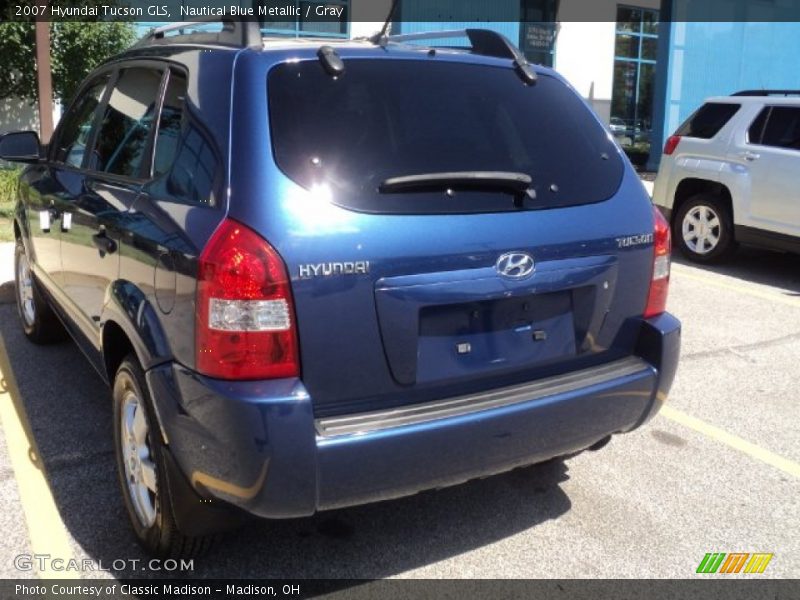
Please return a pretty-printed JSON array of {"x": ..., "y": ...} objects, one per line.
[{"x": 448, "y": 228}]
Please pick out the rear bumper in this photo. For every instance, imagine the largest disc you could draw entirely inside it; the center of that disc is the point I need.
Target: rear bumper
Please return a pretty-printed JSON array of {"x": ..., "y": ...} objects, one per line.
[{"x": 257, "y": 445}]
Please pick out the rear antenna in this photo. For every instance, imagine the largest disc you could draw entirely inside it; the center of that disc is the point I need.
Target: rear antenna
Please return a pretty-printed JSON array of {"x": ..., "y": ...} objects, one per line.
[{"x": 381, "y": 38}]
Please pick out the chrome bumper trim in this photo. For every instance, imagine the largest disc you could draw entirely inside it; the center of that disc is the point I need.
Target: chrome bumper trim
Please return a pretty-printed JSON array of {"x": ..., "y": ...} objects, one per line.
[{"x": 369, "y": 422}]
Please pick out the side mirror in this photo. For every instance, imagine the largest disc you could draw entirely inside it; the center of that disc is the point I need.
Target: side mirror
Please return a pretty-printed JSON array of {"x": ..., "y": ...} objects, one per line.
[{"x": 20, "y": 146}]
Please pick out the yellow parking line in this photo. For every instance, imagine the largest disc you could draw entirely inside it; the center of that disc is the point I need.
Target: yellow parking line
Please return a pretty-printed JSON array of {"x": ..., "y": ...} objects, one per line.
[
  {"x": 742, "y": 289},
  {"x": 45, "y": 528},
  {"x": 757, "y": 452}
]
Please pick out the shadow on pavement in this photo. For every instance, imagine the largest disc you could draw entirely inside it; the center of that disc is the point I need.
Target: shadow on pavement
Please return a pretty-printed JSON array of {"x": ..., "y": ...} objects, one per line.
[
  {"x": 781, "y": 270},
  {"x": 69, "y": 410}
]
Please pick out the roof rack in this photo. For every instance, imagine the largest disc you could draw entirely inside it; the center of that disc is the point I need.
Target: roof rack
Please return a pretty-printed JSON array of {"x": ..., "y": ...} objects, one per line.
[
  {"x": 235, "y": 32},
  {"x": 767, "y": 93},
  {"x": 485, "y": 42},
  {"x": 247, "y": 34}
]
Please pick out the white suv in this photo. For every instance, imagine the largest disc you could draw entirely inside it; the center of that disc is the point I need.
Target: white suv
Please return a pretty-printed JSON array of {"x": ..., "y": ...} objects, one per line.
[{"x": 731, "y": 174}]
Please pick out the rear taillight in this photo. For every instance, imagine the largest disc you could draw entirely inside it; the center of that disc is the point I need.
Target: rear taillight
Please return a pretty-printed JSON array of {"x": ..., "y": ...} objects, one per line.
[
  {"x": 671, "y": 144},
  {"x": 245, "y": 315},
  {"x": 659, "y": 282}
]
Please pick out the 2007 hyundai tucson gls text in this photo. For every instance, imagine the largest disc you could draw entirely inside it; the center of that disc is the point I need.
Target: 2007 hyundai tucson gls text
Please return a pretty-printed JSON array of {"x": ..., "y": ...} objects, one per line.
[{"x": 321, "y": 274}]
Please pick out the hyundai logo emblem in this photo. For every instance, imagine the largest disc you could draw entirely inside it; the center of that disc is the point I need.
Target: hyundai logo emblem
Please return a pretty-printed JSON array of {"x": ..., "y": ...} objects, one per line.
[{"x": 515, "y": 265}]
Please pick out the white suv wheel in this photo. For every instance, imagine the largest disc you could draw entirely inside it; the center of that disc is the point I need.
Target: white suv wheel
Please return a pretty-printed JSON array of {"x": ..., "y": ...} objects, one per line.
[{"x": 701, "y": 229}]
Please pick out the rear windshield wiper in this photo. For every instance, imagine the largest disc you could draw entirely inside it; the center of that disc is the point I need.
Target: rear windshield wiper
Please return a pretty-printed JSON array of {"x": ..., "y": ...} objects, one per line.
[{"x": 509, "y": 181}]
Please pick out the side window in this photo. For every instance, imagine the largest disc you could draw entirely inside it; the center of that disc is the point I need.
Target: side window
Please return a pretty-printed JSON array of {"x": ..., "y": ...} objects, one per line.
[
  {"x": 707, "y": 120},
  {"x": 169, "y": 125},
  {"x": 77, "y": 124},
  {"x": 756, "y": 131},
  {"x": 783, "y": 128},
  {"x": 197, "y": 169},
  {"x": 127, "y": 121},
  {"x": 187, "y": 166}
]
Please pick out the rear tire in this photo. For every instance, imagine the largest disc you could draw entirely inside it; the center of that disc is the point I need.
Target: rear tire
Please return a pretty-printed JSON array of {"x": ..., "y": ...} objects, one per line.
[
  {"x": 142, "y": 469},
  {"x": 703, "y": 229},
  {"x": 39, "y": 322}
]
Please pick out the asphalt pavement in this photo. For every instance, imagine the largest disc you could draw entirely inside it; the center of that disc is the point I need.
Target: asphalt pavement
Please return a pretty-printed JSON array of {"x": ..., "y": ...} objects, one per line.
[{"x": 717, "y": 471}]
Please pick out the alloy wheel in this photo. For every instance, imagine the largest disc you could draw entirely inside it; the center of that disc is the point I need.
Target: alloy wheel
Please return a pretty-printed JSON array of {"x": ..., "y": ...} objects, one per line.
[
  {"x": 140, "y": 468},
  {"x": 701, "y": 229},
  {"x": 25, "y": 291}
]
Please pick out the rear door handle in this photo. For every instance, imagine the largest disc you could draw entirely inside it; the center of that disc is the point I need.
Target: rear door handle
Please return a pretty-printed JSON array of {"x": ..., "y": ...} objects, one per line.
[
  {"x": 749, "y": 156},
  {"x": 104, "y": 243}
]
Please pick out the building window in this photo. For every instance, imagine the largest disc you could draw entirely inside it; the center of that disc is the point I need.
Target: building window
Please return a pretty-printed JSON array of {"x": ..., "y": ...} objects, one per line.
[
  {"x": 634, "y": 77},
  {"x": 308, "y": 23},
  {"x": 538, "y": 30}
]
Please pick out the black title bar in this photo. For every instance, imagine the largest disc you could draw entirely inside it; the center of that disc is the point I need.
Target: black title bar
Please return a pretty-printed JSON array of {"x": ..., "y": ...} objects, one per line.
[{"x": 338, "y": 11}]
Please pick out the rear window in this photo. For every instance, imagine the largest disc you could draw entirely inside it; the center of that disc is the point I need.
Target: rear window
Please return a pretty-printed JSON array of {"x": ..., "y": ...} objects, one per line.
[
  {"x": 707, "y": 120},
  {"x": 397, "y": 118}
]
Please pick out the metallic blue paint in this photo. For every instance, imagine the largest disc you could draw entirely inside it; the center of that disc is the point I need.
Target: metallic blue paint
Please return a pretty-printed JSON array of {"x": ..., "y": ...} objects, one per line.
[
  {"x": 357, "y": 333},
  {"x": 304, "y": 228},
  {"x": 229, "y": 430},
  {"x": 129, "y": 309},
  {"x": 406, "y": 460}
]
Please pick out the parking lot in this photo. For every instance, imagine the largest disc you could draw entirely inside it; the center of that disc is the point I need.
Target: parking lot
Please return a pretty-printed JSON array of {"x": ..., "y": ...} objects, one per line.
[{"x": 717, "y": 471}]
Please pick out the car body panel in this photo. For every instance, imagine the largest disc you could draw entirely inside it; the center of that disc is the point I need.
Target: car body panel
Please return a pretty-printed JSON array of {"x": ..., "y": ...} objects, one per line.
[
  {"x": 307, "y": 229},
  {"x": 371, "y": 340},
  {"x": 255, "y": 445},
  {"x": 40, "y": 188},
  {"x": 769, "y": 187},
  {"x": 96, "y": 213}
]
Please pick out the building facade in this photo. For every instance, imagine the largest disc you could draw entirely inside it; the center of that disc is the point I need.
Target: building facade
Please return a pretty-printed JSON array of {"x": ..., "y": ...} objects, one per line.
[
  {"x": 643, "y": 65},
  {"x": 717, "y": 49},
  {"x": 611, "y": 60}
]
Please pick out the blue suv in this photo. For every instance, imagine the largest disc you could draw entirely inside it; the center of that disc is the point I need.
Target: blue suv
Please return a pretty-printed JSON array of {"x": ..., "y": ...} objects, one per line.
[{"x": 317, "y": 274}]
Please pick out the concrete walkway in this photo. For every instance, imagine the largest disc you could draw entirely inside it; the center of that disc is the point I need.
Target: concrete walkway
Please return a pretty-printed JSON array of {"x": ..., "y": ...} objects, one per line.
[{"x": 6, "y": 272}]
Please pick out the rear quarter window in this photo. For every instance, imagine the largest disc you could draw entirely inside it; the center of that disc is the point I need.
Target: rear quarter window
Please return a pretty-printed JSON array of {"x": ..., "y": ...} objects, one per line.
[
  {"x": 756, "y": 130},
  {"x": 707, "y": 120},
  {"x": 395, "y": 118}
]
